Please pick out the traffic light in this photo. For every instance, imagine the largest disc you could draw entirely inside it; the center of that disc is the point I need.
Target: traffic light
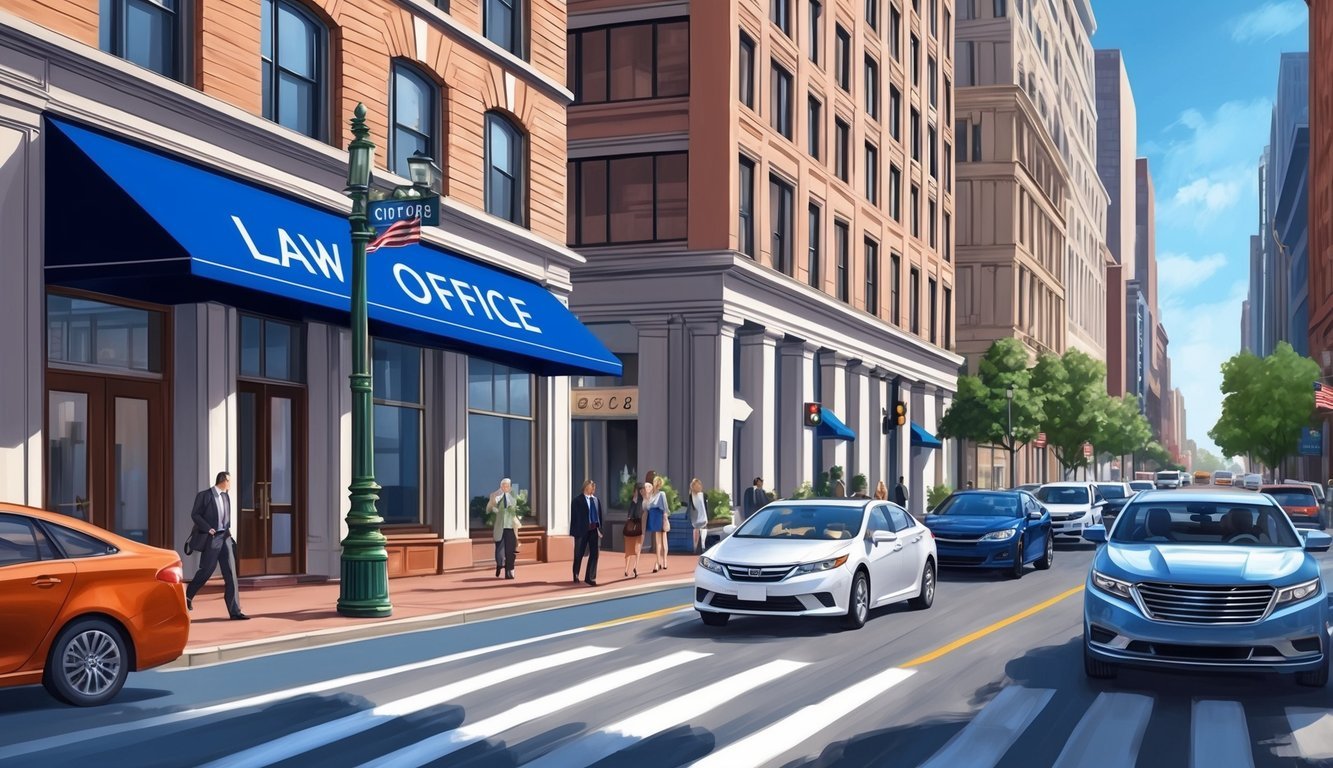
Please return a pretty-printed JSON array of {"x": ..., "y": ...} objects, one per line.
[
  {"x": 900, "y": 413},
  {"x": 813, "y": 415}
]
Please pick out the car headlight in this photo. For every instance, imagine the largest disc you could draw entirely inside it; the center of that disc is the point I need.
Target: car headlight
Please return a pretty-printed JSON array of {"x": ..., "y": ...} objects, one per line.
[
  {"x": 708, "y": 565},
  {"x": 822, "y": 565},
  {"x": 1298, "y": 592},
  {"x": 1005, "y": 535},
  {"x": 1111, "y": 586}
]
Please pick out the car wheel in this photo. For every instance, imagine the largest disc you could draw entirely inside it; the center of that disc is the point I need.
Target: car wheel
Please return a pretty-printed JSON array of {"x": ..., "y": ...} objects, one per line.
[
  {"x": 714, "y": 619},
  {"x": 1016, "y": 571},
  {"x": 1096, "y": 668},
  {"x": 88, "y": 663},
  {"x": 858, "y": 602},
  {"x": 1045, "y": 561},
  {"x": 926, "y": 597}
]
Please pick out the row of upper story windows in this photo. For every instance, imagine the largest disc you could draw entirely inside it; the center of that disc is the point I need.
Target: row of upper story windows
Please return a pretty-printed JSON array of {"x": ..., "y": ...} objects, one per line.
[{"x": 295, "y": 82}]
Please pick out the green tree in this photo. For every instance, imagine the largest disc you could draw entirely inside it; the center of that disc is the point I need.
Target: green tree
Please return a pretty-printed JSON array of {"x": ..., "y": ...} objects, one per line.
[
  {"x": 1072, "y": 390},
  {"x": 980, "y": 409},
  {"x": 1158, "y": 456},
  {"x": 1265, "y": 403},
  {"x": 1207, "y": 461},
  {"x": 1124, "y": 431}
]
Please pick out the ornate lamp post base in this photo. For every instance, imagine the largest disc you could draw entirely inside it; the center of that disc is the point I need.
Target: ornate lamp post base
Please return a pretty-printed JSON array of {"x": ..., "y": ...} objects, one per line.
[{"x": 364, "y": 590}]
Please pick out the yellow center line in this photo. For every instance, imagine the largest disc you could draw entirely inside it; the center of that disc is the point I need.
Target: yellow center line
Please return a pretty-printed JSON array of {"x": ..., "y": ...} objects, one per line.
[
  {"x": 996, "y": 627},
  {"x": 639, "y": 617}
]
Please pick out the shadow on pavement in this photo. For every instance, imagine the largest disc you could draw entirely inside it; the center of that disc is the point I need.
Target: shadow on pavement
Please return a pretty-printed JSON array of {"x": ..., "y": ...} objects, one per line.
[
  {"x": 497, "y": 754},
  {"x": 34, "y": 698}
]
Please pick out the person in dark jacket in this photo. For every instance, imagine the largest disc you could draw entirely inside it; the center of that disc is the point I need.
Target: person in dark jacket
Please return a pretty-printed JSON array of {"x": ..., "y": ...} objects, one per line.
[{"x": 900, "y": 493}]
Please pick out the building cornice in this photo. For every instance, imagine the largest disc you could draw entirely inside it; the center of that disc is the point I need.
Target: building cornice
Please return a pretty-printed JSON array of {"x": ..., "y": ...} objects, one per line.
[{"x": 642, "y": 12}]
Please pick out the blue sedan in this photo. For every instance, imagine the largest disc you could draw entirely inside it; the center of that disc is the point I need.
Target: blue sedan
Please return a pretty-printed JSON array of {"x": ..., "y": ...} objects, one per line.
[
  {"x": 1208, "y": 581},
  {"x": 1003, "y": 530}
]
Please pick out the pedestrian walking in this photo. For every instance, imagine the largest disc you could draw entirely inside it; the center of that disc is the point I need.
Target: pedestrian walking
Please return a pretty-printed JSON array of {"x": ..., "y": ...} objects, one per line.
[
  {"x": 970, "y": 485},
  {"x": 881, "y": 491},
  {"x": 698, "y": 514},
  {"x": 900, "y": 493},
  {"x": 505, "y": 508},
  {"x": 754, "y": 500},
  {"x": 211, "y": 538},
  {"x": 658, "y": 524},
  {"x": 633, "y": 532},
  {"x": 585, "y": 525}
]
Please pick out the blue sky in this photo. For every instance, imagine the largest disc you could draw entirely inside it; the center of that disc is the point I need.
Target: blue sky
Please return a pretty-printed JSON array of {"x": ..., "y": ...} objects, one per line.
[{"x": 1204, "y": 101}]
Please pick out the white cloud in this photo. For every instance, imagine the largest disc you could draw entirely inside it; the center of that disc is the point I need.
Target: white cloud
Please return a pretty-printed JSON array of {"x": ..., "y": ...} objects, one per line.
[
  {"x": 1178, "y": 274},
  {"x": 1270, "y": 20},
  {"x": 1213, "y": 196},
  {"x": 1202, "y": 336},
  {"x": 1205, "y": 165}
]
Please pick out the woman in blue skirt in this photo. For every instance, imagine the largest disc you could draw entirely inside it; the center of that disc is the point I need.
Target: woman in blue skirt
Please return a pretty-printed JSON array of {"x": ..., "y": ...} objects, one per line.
[{"x": 658, "y": 525}]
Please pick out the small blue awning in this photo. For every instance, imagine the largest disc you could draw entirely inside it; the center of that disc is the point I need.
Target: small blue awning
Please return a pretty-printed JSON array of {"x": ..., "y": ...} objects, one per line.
[
  {"x": 924, "y": 439},
  {"x": 831, "y": 427},
  {"x": 137, "y": 223}
]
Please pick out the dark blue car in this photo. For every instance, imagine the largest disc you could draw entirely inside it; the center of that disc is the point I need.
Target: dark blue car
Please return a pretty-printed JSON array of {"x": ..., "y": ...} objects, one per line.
[{"x": 1003, "y": 530}]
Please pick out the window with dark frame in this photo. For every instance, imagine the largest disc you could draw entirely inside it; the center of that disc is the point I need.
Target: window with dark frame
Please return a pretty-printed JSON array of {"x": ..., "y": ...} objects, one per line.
[
  {"x": 780, "y": 198},
  {"x": 399, "y": 440},
  {"x": 872, "y": 88},
  {"x": 916, "y": 211},
  {"x": 932, "y": 155},
  {"x": 745, "y": 210},
  {"x": 946, "y": 229},
  {"x": 948, "y": 317},
  {"x": 842, "y": 149},
  {"x": 843, "y": 54},
  {"x": 934, "y": 18},
  {"x": 914, "y": 300},
  {"x": 781, "y": 99},
  {"x": 914, "y": 50},
  {"x": 501, "y": 433},
  {"x": 916, "y": 135},
  {"x": 841, "y": 247},
  {"x": 631, "y": 62},
  {"x": 872, "y": 276},
  {"x": 293, "y": 67},
  {"x": 895, "y": 33},
  {"x": 948, "y": 100},
  {"x": 932, "y": 80},
  {"x": 895, "y": 193},
  {"x": 1000, "y": 9},
  {"x": 948, "y": 167},
  {"x": 746, "y": 73},
  {"x": 872, "y": 14},
  {"x": 502, "y": 23},
  {"x": 931, "y": 211},
  {"x": 960, "y": 139},
  {"x": 930, "y": 306},
  {"x": 872, "y": 173},
  {"x": 895, "y": 113},
  {"x": 948, "y": 32},
  {"x": 780, "y": 13},
  {"x": 976, "y": 142},
  {"x": 630, "y": 198},
  {"x": 148, "y": 33},
  {"x": 506, "y": 179},
  {"x": 967, "y": 9},
  {"x": 815, "y": 236},
  {"x": 271, "y": 349},
  {"x": 895, "y": 286},
  {"x": 816, "y": 29},
  {"x": 814, "y": 127},
  {"x": 414, "y": 103}
]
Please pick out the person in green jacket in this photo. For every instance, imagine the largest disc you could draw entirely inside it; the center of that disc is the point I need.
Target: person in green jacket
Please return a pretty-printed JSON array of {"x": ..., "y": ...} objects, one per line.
[{"x": 505, "y": 507}]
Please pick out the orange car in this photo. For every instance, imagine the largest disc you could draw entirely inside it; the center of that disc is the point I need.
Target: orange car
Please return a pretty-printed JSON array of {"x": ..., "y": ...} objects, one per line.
[
  {"x": 80, "y": 606},
  {"x": 1298, "y": 501}
]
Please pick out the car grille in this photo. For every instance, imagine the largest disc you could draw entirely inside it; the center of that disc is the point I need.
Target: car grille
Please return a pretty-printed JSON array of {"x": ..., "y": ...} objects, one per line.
[
  {"x": 779, "y": 604},
  {"x": 959, "y": 538},
  {"x": 1196, "y": 604},
  {"x": 1063, "y": 518},
  {"x": 960, "y": 559},
  {"x": 748, "y": 573}
]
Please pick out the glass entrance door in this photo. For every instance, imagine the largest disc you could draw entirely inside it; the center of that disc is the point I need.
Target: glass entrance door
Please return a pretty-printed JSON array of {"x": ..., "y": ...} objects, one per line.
[{"x": 269, "y": 477}]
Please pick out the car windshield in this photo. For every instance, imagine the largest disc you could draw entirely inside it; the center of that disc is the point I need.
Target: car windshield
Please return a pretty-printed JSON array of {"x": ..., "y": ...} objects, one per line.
[
  {"x": 1292, "y": 497},
  {"x": 1222, "y": 475},
  {"x": 1168, "y": 476},
  {"x": 1112, "y": 490},
  {"x": 1055, "y": 494},
  {"x": 1205, "y": 522},
  {"x": 1141, "y": 485},
  {"x": 802, "y": 522},
  {"x": 980, "y": 505}
]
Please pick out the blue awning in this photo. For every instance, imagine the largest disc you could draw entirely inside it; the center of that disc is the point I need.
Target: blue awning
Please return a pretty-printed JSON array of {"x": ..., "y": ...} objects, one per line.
[
  {"x": 924, "y": 439},
  {"x": 133, "y": 222},
  {"x": 831, "y": 427}
]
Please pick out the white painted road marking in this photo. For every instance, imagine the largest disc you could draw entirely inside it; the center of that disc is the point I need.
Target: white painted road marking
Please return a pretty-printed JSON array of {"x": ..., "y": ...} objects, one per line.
[
  {"x": 1312, "y": 730},
  {"x": 1219, "y": 736},
  {"x": 679, "y": 711},
  {"x": 314, "y": 737},
  {"x": 1110, "y": 733},
  {"x": 993, "y": 730},
  {"x": 762, "y": 746},
  {"x": 449, "y": 742}
]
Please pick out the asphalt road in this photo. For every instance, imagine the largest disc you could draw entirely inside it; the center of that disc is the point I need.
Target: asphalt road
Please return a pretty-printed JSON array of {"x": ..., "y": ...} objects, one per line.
[{"x": 990, "y": 676}]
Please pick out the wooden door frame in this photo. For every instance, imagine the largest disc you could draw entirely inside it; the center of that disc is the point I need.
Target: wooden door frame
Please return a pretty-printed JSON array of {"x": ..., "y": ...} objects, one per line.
[{"x": 264, "y": 389}]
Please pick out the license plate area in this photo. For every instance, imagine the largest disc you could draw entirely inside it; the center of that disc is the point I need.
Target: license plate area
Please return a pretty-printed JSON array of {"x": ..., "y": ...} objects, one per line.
[{"x": 751, "y": 593}]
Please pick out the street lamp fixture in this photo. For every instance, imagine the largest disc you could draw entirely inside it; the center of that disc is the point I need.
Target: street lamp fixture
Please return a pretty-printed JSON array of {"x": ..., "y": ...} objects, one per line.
[
  {"x": 425, "y": 176},
  {"x": 1009, "y": 433},
  {"x": 364, "y": 587}
]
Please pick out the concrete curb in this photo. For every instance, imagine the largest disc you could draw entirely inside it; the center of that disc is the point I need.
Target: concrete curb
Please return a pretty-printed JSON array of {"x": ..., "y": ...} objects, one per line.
[{"x": 201, "y": 656}]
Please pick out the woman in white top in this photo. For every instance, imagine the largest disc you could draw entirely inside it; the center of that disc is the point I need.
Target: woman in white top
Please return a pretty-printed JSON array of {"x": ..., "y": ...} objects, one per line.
[
  {"x": 698, "y": 514},
  {"x": 658, "y": 525}
]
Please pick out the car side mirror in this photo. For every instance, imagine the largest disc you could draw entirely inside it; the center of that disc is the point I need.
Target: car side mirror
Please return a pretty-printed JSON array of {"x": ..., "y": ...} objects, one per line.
[
  {"x": 1099, "y": 503},
  {"x": 729, "y": 528},
  {"x": 1095, "y": 533},
  {"x": 1317, "y": 541},
  {"x": 884, "y": 537},
  {"x": 1036, "y": 515}
]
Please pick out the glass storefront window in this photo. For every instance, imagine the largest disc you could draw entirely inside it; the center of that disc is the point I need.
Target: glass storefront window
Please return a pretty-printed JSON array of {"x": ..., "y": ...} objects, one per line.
[
  {"x": 399, "y": 438},
  {"x": 500, "y": 436},
  {"x": 272, "y": 349},
  {"x": 91, "y": 333}
]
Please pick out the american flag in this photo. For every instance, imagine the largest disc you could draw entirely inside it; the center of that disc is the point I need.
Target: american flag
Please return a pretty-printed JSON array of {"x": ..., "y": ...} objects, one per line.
[
  {"x": 1323, "y": 398},
  {"x": 400, "y": 233}
]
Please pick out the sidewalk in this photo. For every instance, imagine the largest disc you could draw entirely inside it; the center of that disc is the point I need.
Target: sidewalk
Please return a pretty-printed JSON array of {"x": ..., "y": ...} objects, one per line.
[{"x": 303, "y": 616}]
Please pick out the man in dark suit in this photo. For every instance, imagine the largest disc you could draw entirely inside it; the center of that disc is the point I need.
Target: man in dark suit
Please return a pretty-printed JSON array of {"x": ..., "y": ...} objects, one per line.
[
  {"x": 211, "y": 538},
  {"x": 585, "y": 525},
  {"x": 756, "y": 498},
  {"x": 900, "y": 493}
]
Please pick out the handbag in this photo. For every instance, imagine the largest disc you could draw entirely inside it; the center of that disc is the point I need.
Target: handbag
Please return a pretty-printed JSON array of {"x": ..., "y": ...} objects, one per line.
[
  {"x": 666, "y": 522},
  {"x": 634, "y": 527}
]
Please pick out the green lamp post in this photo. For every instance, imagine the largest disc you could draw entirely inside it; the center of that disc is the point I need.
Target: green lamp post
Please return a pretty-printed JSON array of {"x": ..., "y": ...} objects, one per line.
[{"x": 364, "y": 589}]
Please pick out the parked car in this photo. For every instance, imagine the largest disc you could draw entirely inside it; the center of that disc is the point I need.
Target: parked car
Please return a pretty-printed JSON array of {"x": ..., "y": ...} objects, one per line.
[
  {"x": 81, "y": 606},
  {"x": 1073, "y": 506},
  {"x": 818, "y": 557},
  {"x": 1029, "y": 487},
  {"x": 1203, "y": 477},
  {"x": 1299, "y": 502},
  {"x": 1251, "y": 482},
  {"x": 1142, "y": 485},
  {"x": 1223, "y": 478},
  {"x": 1206, "y": 581},
  {"x": 1318, "y": 493},
  {"x": 1004, "y": 530},
  {"x": 1169, "y": 478},
  {"x": 1117, "y": 495}
]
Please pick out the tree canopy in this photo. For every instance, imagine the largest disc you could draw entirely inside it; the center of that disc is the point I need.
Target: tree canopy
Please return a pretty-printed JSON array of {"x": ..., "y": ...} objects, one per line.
[
  {"x": 1125, "y": 429},
  {"x": 980, "y": 409},
  {"x": 1265, "y": 403},
  {"x": 1072, "y": 390}
]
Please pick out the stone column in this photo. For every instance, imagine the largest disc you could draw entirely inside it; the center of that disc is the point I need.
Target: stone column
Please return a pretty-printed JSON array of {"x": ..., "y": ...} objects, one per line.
[
  {"x": 833, "y": 394},
  {"x": 22, "y": 310},
  {"x": 450, "y": 421},
  {"x": 654, "y": 410},
  {"x": 329, "y": 445},
  {"x": 552, "y": 492},
  {"x": 900, "y": 439},
  {"x": 876, "y": 439},
  {"x": 759, "y": 439},
  {"x": 918, "y": 481},
  {"x": 795, "y": 442},
  {"x": 949, "y": 453},
  {"x": 708, "y": 419},
  {"x": 864, "y": 421}
]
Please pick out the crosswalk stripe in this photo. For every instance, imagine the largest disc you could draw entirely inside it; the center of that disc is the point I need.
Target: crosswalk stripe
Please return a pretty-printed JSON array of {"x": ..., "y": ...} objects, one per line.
[
  {"x": 1110, "y": 733},
  {"x": 993, "y": 730},
  {"x": 614, "y": 738},
  {"x": 762, "y": 746},
  {"x": 449, "y": 742},
  {"x": 263, "y": 699},
  {"x": 316, "y": 736},
  {"x": 1219, "y": 735},
  {"x": 1312, "y": 730}
]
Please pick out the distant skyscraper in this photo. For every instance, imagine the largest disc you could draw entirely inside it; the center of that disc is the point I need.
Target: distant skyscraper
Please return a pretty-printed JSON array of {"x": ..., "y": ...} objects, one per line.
[{"x": 1117, "y": 147}]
